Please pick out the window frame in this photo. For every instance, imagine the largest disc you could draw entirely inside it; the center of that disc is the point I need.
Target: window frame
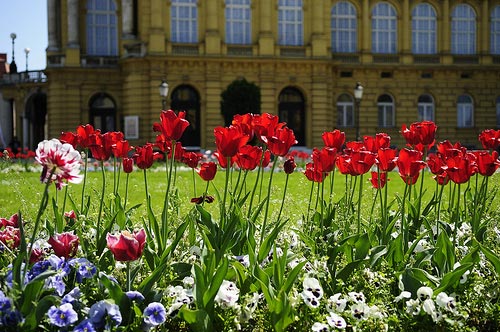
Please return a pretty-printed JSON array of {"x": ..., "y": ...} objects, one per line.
[
  {"x": 101, "y": 37},
  {"x": 232, "y": 22},
  {"x": 390, "y": 45},
  {"x": 177, "y": 34},
  {"x": 427, "y": 107},
  {"x": 424, "y": 40},
  {"x": 290, "y": 31},
  {"x": 382, "y": 109},
  {"x": 344, "y": 107},
  {"x": 463, "y": 41},
  {"x": 495, "y": 30},
  {"x": 464, "y": 109},
  {"x": 343, "y": 12}
]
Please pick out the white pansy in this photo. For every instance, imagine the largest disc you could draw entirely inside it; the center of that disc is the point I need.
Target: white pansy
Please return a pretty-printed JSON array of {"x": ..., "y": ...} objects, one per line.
[
  {"x": 429, "y": 306},
  {"x": 446, "y": 302},
  {"x": 360, "y": 311},
  {"x": 413, "y": 307},
  {"x": 336, "y": 321},
  {"x": 310, "y": 300},
  {"x": 424, "y": 293},
  {"x": 320, "y": 327},
  {"x": 228, "y": 294},
  {"x": 243, "y": 259},
  {"x": 463, "y": 277},
  {"x": 336, "y": 304},
  {"x": 357, "y": 297},
  {"x": 312, "y": 288},
  {"x": 188, "y": 282}
]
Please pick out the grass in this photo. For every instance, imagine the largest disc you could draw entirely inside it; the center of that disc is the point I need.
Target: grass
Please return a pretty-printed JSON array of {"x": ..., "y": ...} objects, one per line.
[{"x": 22, "y": 191}]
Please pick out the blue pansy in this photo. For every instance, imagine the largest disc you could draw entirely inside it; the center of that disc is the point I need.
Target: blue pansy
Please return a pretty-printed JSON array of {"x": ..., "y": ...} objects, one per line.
[
  {"x": 135, "y": 296},
  {"x": 85, "y": 326},
  {"x": 155, "y": 314},
  {"x": 104, "y": 313},
  {"x": 62, "y": 316}
]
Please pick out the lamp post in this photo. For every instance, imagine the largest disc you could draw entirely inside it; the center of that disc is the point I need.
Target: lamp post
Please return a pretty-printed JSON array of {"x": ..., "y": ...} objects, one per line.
[
  {"x": 163, "y": 87},
  {"x": 13, "y": 66},
  {"x": 27, "y": 51},
  {"x": 358, "y": 95}
]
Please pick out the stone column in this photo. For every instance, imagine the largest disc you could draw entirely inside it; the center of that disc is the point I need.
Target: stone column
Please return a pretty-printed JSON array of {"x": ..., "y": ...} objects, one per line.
[
  {"x": 212, "y": 37},
  {"x": 52, "y": 21},
  {"x": 485, "y": 28},
  {"x": 73, "y": 40},
  {"x": 266, "y": 39},
  {"x": 445, "y": 35},
  {"x": 318, "y": 35},
  {"x": 156, "y": 33},
  {"x": 366, "y": 26},
  {"x": 406, "y": 34},
  {"x": 127, "y": 19}
]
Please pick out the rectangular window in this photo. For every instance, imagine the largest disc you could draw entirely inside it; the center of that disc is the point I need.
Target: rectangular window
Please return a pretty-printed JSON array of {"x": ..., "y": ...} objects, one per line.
[
  {"x": 238, "y": 22},
  {"x": 184, "y": 21},
  {"x": 290, "y": 26},
  {"x": 464, "y": 116},
  {"x": 345, "y": 115},
  {"x": 385, "y": 115}
]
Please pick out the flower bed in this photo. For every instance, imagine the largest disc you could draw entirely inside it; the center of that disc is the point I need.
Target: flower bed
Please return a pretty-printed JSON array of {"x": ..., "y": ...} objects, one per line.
[{"x": 406, "y": 263}]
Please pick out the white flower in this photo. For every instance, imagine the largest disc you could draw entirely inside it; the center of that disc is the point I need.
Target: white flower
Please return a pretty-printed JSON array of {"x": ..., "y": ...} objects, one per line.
[
  {"x": 336, "y": 304},
  {"x": 403, "y": 295},
  {"x": 320, "y": 327},
  {"x": 376, "y": 313},
  {"x": 312, "y": 288},
  {"x": 429, "y": 306},
  {"x": 336, "y": 321},
  {"x": 243, "y": 259},
  {"x": 188, "y": 282},
  {"x": 310, "y": 300},
  {"x": 446, "y": 302},
  {"x": 413, "y": 307},
  {"x": 360, "y": 311},
  {"x": 463, "y": 277},
  {"x": 357, "y": 297},
  {"x": 424, "y": 293},
  {"x": 60, "y": 162},
  {"x": 228, "y": 294}
]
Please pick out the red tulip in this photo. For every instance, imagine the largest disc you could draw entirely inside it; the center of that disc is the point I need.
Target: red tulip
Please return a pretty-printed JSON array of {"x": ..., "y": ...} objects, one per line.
[
  {"x": 266, "y": 159},
  {"x": 313, "y": 174},
  {"x": 248, "y": 157},
  {"x": 144, "y": 156},
  {"x": 245, "y": 122},
  {"x": 191, "y": 158},
  {"x": 64, "y": 244},
  {"x": 490, "y": 139},
  {"x": 281, "y": 141},
  {"x": 378, "y": 182},
  {"x": 324, "y": 159},
  {"x": 121, "y": 149},
  {"x": 179, "y": 152},
  {"x": 409, "y": 164},
  {"x": 442, "y": 179},
  {"x": 334, "y": 139},
  {"x": 380, "y": 141},
  {"x": 84, "y": 133},
  {"x": 289, "y": 165},
  {"x": 223, "y": 160},
  {"x": 420, "y": 135},
  {"x": 386, "y": 159},
  {"x": 435, "y": 163},
  {"x": 102, "y": 144},
  {"x": 126, "y": 246},
  {"x": 13, "y": 221},
  {"x": 362, "y": 161},
  {"x": 171, "y": 125},
  {"x": 344, "y": 164},
  {"x": 229, "y": 140},
  {"x": 487, "y": 163},
  {"x": 207, "y": 170},
  {"x": 128, "y": 165},
  {"x": 460, "y": 168},
  {"x": 266, "y": 124},
  {"x": 70, "y": 138}
]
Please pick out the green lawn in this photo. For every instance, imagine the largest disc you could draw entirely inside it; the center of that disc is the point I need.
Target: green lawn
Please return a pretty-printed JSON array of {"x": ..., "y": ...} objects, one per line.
[{"x": 22, "y": 191}]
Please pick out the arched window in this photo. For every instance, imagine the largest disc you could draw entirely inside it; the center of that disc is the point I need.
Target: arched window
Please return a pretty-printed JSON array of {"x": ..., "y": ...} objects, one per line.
[
  {"x": 238, "y": 22},
  {"x": 290, "y": 23},
  {"x": 102, "y": 112},
  {"x": 184, "y": 21},
  {"x": 344, "y": 28},
  {"x": 465, "y": 112},
  {"x": 102, "y": 28},
  {"x": 463, "y": 30},
  {"x": 425, "y": 108},
  {"x": 495, "y": 31},
  {"x": 186, "y": 98},
  {"x": 345, "y": 111},
  {"x": 384, "y": 28},
  {"x": 385, "y": 106},
  {"x": 424, "y": 26},
  {"x": 498, "y": 111},
  {"x": 291, "y": 109}
]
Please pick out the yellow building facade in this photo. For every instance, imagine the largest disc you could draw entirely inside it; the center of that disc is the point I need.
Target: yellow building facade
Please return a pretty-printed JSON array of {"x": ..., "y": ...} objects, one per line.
[{"x": 416, "y": 60}]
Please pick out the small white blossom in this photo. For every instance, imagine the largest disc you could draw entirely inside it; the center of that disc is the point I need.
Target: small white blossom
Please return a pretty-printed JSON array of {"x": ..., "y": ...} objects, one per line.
[
  {"x": 243, "y": 259},
  {"x": 336, "y": 304},
  {"x": 188, "y": 282},
  {"x": 228, "y": 294},
  {"x": 320, "y": 327},
  {"x": 403, "y": 295},
  {"x": 360, "y": 311},
  {"x": 312, "y": 288},
  {"x": 424, "y": 293},
  {"x": 413, "y": 307},
  {"x": 336, "y": 321},
  {"x": 357, "y": 297},
  {"x": 463, "y": 277},
  {"x": 446, "y": 302}
]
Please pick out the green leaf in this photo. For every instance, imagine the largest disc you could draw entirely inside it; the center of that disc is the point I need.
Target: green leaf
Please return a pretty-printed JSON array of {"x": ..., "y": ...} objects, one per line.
[
  {"x": 490, "y": 255},
  {"x": 198, "y": 319},
  {"x": 452, "y": 277}
]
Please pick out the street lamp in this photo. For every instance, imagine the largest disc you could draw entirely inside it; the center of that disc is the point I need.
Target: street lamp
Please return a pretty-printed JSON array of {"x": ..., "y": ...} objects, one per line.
[
  {"x": 358, "y": 95},
  {"x": 163, "y": 87},
  {"x": 13, "y": 66},
  {"x": 27, "y": 51}
]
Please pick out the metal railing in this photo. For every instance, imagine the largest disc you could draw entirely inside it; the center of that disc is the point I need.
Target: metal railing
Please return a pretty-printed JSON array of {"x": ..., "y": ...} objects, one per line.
[{"x": 32, "y": 76}]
